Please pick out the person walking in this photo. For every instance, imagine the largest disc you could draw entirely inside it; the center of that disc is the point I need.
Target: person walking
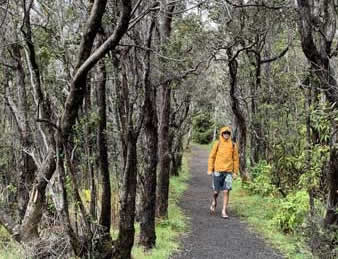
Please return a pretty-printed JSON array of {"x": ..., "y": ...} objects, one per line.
[{"x": 223, "y": 164}]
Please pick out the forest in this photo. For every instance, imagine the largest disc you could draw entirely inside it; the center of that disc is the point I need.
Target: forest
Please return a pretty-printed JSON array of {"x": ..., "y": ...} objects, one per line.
[{"x": 100, "y": 100}]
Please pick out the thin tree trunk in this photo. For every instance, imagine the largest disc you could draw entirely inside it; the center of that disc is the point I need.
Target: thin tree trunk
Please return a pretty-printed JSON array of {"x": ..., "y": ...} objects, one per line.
[
  {"x": 105, "y": 217},
  {"x": 257, "y": 148},
  {"x": 162, "y": 192},
  {"x": 240, "y": 119},
  {"x": 64, "y": 210},
  {"x": 102, "y": 148},
  {"x": 331, "y": 217},
  {"x": 129, "y": 136},
  {"x": 164, "y": 158},
  {"x": 90, "y": 172},
  {"x": 125, "y": 241},
  {"x": 29, "y": 227},
  {"x": 177, "y": 120},
  {"x": 256, "y": 133},
  {"x": 27, "y": 164},
  {"x": 148, "y": 199}
]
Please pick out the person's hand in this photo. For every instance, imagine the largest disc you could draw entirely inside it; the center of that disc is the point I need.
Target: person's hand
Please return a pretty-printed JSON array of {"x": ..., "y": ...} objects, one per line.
[
  {"x": 209, "y": 173},
  {"x": 234, "y": 176}
]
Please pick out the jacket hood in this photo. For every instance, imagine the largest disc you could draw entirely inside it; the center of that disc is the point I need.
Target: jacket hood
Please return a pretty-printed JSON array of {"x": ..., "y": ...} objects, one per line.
[{"x": 226, "y": 128}]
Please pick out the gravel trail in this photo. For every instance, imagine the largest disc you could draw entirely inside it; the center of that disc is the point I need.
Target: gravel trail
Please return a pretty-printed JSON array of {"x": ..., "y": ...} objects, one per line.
[{"x": 210, "y": 236}]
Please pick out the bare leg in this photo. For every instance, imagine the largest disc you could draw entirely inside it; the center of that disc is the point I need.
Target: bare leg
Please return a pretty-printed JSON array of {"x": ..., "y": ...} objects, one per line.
[
  {"x": 225, "y": 203},
  {"x": 214, "y": 202}
]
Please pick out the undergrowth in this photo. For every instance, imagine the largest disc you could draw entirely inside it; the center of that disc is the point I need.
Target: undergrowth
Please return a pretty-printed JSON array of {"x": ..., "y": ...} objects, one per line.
[{"x": 262, "y": 215}]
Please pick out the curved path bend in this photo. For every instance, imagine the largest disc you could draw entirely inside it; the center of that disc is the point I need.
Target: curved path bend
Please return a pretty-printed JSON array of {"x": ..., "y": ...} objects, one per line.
[{"x": 211, "y": 237}]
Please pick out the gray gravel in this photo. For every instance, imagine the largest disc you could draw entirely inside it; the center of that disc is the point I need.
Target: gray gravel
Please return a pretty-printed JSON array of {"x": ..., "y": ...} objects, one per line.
[{"x": 211, "y": 236}]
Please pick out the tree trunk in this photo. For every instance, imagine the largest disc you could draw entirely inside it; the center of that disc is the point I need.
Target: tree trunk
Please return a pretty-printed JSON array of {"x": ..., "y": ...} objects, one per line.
[
  {"x": 164, "y": 158},
  {"x": 29, "y": 227},
  {"x": 125, "y": 241},
  {"x": 176, "y": 163},
  {"x": 148, "y": 199},
  {"x": 90, "y": 168},
  {"x": 256, "y": 132},
  {"x": 105, "y": 217},
  {"x": 147, "y": 222},
  {"x": 27, "y": 164},
  {"x": 256, "y": 135},
  {"x": 64, "y": 209},
  {"x": 178, "y": 119},
  {"x": 331, "y": 217},
  {"x": 162, "y": 192},
  {"x": 239, "y": 117}
]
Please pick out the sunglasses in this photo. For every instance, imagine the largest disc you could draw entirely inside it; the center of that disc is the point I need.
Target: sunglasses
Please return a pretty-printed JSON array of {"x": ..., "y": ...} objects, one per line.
[{"x": 226, "y": 132}]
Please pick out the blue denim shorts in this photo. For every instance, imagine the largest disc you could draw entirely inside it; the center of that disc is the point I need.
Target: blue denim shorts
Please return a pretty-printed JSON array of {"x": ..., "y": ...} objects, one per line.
[{"x": 221, "y": 181}]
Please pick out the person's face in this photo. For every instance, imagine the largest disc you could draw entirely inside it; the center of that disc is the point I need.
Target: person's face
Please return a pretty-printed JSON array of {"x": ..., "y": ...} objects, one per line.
[{"x": 226, "y": 134}]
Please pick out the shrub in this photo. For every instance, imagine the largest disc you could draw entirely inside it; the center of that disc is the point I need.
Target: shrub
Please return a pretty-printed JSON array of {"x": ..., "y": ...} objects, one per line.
[
  {"x": 292, "y": 211},
  {"x": 261, "y": 179}
]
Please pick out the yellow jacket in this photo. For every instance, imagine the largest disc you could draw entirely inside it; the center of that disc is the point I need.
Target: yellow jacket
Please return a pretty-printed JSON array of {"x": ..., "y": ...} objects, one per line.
[{"x": 223, "y": 155}]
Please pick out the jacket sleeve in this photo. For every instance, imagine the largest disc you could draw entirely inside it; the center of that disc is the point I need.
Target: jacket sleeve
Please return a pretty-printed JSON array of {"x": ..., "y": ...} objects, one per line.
[
  {"x": 236, "y": 160},
  {"x": 212, "y": 157}
]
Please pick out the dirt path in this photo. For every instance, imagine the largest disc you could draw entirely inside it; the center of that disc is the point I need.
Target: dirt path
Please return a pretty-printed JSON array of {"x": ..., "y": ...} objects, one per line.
[{"x": 211, "y": 236}]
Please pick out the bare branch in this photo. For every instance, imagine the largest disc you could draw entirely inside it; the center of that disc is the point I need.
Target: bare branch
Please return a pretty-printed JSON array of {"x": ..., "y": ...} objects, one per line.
[
  {"x": 188, "y": 9},
  {"x": 183, "y": 75},
  {"x": 49, "y": 123},
  {"x": 5, "y": 16},
  {"x": 242, "y": 49},
  {"x": 276, "y": 57},
  {"x": 12, "y": 43},
  {"x": 31, "y": 153},
  {"x": 135, "y": 7},
  {"x": 155, "y": 52},
  {"x": 263, "y": 4},
  {"x": 134, "y": 21}
]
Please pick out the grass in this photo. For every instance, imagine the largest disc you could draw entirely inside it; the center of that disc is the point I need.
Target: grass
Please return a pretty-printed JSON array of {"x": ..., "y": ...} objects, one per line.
[
  {"x": 168, "y": 231},
  {"x": 257, "y": 210},
  {"x": 9, "y": 249}
]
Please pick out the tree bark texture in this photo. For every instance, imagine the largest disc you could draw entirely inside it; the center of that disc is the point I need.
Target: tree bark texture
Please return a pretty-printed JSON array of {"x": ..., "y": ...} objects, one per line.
[
  {"x": 256, "y": 131},
  {"x": 164, "y": 158},
  {"x": 27, "y": 165},
  {"x": 129, "y": 136},
  {"x": 105, "y": 217},
  {"x": 239, "y": 117},
  {"x": 29, "y": 227},
  {"x": 178, "y": 120},
  {"x": 64, "y": 210},
  {"x": 124, "y": 243},
  {"x": 162, "y": 192},
  {"x": 148, "y": 199}
]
